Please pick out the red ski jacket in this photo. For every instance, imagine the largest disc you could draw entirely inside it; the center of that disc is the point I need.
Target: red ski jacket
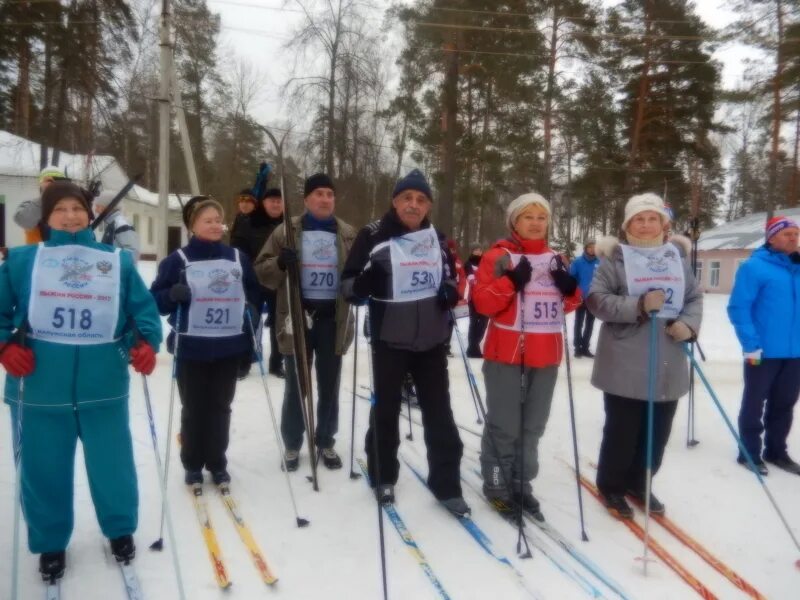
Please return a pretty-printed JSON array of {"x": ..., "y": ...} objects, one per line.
[{"x": 494, "y": 297}]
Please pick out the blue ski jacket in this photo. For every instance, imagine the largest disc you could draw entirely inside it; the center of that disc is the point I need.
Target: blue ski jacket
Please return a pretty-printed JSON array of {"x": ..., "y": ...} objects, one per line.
[
  {"x": 72, "y": 377},
  {"x": 583, "y": 268},
  {"x": 764, "y": 307}
]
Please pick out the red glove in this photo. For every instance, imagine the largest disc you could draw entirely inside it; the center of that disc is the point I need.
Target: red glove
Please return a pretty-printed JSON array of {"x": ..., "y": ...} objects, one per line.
[
  {"x": 143, "y": 358},
  {"x": 17, "y": 359}
]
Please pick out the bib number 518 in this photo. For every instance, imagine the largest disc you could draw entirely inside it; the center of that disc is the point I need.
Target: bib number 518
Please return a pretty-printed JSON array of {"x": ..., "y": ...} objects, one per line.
[{"x": 69, "y": 317}]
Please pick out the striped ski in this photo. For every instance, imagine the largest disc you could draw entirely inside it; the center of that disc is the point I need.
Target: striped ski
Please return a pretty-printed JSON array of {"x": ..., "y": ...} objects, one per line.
[
  {"x": 691, "y": 543},
  {"x": 132, "y": 586},
  {"x": 482, "y": 539},
  {"x": 52, "y": 591},
  {"x": 560, "y": 540},
  {"x": 567, "y": 569},
  {"x": 246, "y": 535},
  {"x": 209, "y": 536},
  {"x": 657, "y": 548},
  {"x": 408, "y": 539}
]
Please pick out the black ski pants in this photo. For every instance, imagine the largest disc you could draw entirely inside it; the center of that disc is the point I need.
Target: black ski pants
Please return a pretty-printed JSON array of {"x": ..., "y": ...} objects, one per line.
[
  {"x": 623, "y": 453},
  {"x": 428, "y": 369},
  {"x": 275, "y": 356},
  {"x": 321, "y": 345},
  {"x": 206, "y": 389},
  {"x": 584, "y": 324},
  {"x": 477, "y": 327}
]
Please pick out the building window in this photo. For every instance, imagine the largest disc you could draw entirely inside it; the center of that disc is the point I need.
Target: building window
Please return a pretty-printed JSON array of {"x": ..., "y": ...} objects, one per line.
[
  {"x": 136, "y": 222},
  {"x": 713, "y": 274},
  {"x": 149, "y": 230},
  {"x": 699, "y": 275}
]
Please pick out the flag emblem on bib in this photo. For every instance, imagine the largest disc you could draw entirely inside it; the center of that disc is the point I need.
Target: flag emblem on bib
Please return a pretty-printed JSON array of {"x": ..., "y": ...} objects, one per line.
[
  {"x": 541, "y": 275},
  {"x": 658, "y": 262},
  {"x": 104, "y": 266},
  {"x": 76, "y": 273},
  {"x": 323, "y": 249},
  {"x": 422, "y": 248},
  {"x": 219, "y": 281}
]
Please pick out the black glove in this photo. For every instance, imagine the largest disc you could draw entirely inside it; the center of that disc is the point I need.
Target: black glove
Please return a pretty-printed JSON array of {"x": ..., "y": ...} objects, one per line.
[
  {"x": 795, "y": 257},
  {"x": 521, "y": 274},
  {"x": 565, "y": 282},
  {"x": 286, "y": 258},
  {"x": 180, "y": 293},
  {"x": 365, "y": 284},
  {"x": 447, "y": 295}
]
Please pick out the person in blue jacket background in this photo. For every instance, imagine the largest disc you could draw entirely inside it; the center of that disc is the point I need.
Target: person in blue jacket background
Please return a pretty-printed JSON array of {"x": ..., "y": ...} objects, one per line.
[
  {"x": 67, "y": 310},
  {"x": 213, "y": 285},
  {"x": 583, "y": 268},
  {"x": 764, "y": 309}
]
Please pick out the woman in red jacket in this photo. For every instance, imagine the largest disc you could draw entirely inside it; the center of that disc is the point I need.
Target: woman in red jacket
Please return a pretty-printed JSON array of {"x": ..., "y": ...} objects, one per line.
[{"x": 520, "y": 267}]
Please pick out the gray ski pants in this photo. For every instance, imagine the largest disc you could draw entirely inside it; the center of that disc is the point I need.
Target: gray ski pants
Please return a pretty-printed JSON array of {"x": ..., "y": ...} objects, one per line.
[{"x": 500, "y": 444}]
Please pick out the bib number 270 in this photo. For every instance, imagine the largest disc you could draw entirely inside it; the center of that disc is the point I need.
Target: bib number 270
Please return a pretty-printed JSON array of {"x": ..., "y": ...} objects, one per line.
[{"x": 70, "y": 317}]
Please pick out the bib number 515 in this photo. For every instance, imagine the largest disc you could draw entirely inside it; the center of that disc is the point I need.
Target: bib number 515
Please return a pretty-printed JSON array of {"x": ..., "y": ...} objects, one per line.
[{"x": 69, "y": 317}]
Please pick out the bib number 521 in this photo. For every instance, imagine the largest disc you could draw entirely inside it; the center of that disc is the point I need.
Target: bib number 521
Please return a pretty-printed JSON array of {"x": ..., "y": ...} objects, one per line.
[
  {"x": 70, "y": 317},
  {"x": 218, "y": 316}
]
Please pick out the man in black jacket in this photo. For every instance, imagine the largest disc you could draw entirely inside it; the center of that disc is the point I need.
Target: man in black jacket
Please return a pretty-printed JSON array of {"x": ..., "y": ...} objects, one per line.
[
  {"x": 477, "y": 322},
  {"x": 402, "y": 265}
]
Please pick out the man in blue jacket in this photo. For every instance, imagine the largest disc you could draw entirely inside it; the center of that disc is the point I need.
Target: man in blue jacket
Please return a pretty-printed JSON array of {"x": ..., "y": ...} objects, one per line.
[
  {"x": 765, "y": 311},
  {"x": 582, "y": 268}
]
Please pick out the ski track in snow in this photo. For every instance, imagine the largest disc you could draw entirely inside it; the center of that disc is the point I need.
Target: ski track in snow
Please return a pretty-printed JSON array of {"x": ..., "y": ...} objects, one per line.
[{"x": 704, "y": 489}]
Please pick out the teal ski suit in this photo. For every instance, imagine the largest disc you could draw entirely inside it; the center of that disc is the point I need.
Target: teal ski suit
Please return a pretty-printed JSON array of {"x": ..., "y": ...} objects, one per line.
[{"x": 75, "y": 391}]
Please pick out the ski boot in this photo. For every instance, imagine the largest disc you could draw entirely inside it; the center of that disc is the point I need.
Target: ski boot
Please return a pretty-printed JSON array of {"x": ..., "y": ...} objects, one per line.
[
  {"x": 618, "y": 506},
  {"x": 330, "y": 459},
  {"x": 52, "y": 565},
  {"x": 530, "y": 505},
  {"x": 457, "y": 507},
  {"x": 656, "y": 506},
  {"x": 123, "y": 549},
  {"x": 220, "y": 477},
  {"x": 193, "y": 478},
  {"x": 292, "y": 460},
  {"x": 385, "y": 493}
]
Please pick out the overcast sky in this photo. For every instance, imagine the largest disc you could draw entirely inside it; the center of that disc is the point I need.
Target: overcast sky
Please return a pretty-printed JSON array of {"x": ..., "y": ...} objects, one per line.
[{"x": 257, "y": 30}]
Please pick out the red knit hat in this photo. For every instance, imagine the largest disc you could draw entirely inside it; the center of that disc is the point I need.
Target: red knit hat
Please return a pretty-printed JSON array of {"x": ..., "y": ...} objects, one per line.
[{"x": 776, "y": 224}]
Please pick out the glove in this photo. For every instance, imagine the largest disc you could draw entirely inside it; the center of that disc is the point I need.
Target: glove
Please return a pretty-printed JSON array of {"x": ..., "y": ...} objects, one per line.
[
  {"x": 521, "y": 274},
  {"x": 565, "y": 282},
  {"x": 180, "y": 293},
  {"x": 286, "y": 258},
  {"x": 17, "y": 360},
  {"x": 143, "y": 358},
  {"x": 795, "y": 257},
  {"x": 753, "y": 358},
  {"x": 447, "y": 295},
  {"x": 365, "y": 284},
  {"x": 680, "y": 331},
  {"x": 652, "y": 301}
]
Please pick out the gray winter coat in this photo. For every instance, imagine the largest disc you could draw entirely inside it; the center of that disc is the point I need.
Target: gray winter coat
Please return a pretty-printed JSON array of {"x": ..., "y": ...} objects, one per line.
[{"x": 620, "y": 366}]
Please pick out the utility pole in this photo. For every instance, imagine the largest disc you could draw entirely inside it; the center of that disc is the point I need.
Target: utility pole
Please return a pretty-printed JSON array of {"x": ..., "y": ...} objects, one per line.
[{"x": 164, "y": 129}]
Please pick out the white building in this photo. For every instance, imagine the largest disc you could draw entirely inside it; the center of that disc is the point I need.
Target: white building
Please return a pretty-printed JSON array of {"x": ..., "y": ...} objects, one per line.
[{"x": 19, "y": 181}]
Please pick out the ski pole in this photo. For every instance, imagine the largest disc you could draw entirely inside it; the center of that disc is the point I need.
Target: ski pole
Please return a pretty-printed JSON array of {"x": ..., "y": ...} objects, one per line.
[
  {"x": 691, "y": 442},
  {"x": 164, "y": 495},
  {"x": 652, "y": 374},
  {"x": 18, "y": 475},
  {"x": 473, "y": 384},
  {"x": 407, "y": 392},
  {"x": 584, "y": 536},
  {"x": 159, "y": 543},
  {"x": 301, "y": 522},
  {"x": 353, "y": 474},
  {"x": 375, "y": 448},
  {"x": 521, "y": 537},
  {"x": 745, "y": 452}
]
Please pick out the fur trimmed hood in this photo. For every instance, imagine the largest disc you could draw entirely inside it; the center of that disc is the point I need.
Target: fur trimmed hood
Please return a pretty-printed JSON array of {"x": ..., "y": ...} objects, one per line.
[{"x": 605, "y": 246}]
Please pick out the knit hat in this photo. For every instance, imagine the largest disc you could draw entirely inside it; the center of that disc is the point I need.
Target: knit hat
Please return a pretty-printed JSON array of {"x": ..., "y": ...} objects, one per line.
[
  {"x": 51, "y": 172},
  {"x": 644, "y": 202},
  {"x": 516, "y": 207},
  {"x": 318, "y": 180},
  {"x": 59, "y": 190},
  {"x": 415, "y": 180},
  {"x": 246, "y": 195},
  {"x": 776, "y": 224},
  {"x": 196, "y": 205},
  {"x": 273, "y": 193},
  {"x": 589, "y": 242}
]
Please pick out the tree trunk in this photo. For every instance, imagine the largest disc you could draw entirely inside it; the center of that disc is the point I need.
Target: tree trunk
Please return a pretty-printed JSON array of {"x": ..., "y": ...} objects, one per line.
[
  {"x": 792, "y": 199},
  {"x": 445, "y": 216},
  {"x": 22, "y": 105},
  {"x": 777, "y": 114},
  {"x": 547, "y": 178}
]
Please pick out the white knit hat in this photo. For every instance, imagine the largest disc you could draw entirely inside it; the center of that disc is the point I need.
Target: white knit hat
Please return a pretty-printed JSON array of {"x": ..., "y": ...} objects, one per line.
[
  {"x": 516, "y": 207},
  {"x": 644, "y": 202}
]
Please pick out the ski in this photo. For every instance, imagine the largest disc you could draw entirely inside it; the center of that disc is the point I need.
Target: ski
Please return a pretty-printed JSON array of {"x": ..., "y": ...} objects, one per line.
[
  {"x": 132, "y": 586},
  {"x": 481, "y": 539},
  {"x": 52, "y": 590},
  {"x": 408, "y": 539},
  {"x": 246, "y": 535},
  {"x": 509, "y": 515},
  {"x": 701, "y": 551},
  {"x": 209, "y": 536},
  {"x": 557, "y": 538},
  {"x": 657, "y": 548}
]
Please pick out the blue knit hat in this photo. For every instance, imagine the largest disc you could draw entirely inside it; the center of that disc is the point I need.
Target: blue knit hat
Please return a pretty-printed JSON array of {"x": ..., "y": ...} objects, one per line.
[{"x": 415, "y": 180}]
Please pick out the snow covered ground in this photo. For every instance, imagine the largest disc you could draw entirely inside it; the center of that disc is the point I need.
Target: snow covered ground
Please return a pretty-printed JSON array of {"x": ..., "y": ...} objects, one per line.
[{"x": 337, "y": 556}]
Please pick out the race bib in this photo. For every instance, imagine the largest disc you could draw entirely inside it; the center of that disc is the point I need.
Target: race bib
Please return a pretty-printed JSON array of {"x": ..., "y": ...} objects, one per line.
[
  {"x": 416, "y": 265},
  {"x": 218, "y": 302},
  {"x": 543, "y": 306},
  {"x": 659, "y": 268},
  {"x": 74, "y": 295},
  {"x": 319, "y": 268}
]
